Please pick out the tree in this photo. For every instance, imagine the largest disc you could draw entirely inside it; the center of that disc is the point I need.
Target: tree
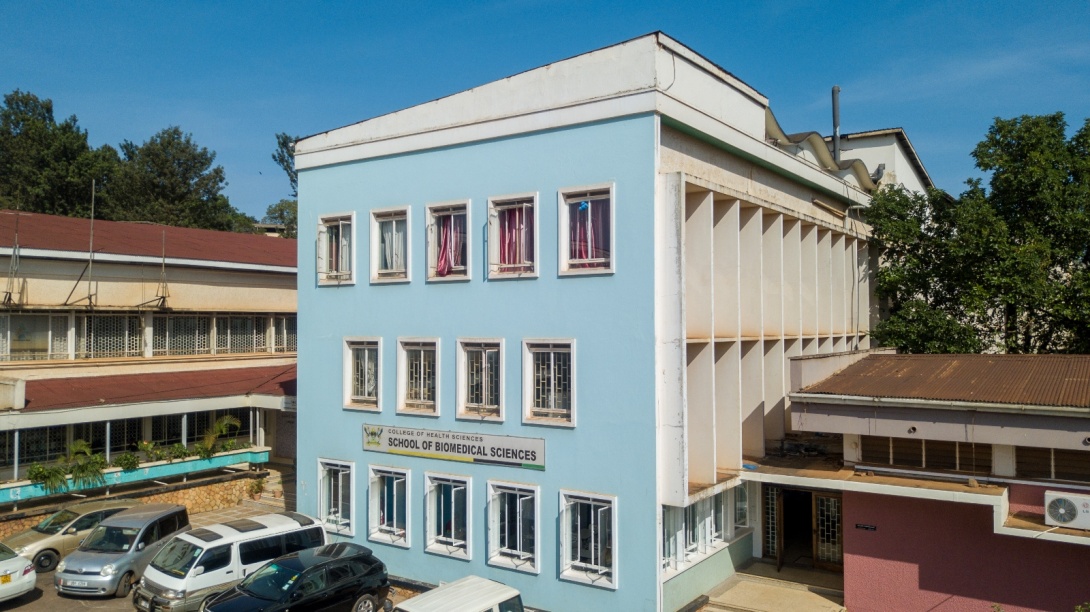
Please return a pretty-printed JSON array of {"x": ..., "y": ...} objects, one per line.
[
  {"x": 286, "y": 213},
  {"x": 171, "y": 180},
  {"x": 45, "y": 166},
  {"x": 1002, "y": 269},
  {"x": 284, "y": 156}
]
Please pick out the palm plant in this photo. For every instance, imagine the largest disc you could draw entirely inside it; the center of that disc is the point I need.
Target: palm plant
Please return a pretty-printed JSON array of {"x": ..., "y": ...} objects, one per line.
[{"x": 85, "y": 466}]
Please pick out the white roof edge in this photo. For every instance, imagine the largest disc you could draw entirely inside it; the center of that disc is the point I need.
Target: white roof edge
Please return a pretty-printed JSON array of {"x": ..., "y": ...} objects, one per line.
[{"x": 145, "y": 259}]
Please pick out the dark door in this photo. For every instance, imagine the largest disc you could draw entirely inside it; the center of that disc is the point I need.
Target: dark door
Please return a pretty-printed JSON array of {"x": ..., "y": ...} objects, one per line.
[{"x": 828, "y": 532}]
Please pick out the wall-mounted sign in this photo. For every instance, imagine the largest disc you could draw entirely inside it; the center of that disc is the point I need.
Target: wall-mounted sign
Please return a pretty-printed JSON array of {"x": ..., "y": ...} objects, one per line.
[
  {"x": 866, "y": 527},
  {"x": 526, "y": 453}
]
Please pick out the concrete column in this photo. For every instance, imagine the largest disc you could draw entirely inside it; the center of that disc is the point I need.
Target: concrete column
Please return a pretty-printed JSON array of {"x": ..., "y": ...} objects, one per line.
[{"x": 1003, "y": 460}]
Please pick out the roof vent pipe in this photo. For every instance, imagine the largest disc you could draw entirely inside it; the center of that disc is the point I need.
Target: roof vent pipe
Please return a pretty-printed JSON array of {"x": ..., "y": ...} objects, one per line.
[{"x": 836, "y": 124}]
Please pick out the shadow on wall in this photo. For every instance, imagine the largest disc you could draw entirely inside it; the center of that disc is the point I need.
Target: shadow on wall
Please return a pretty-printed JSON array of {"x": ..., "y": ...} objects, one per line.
[{"x": 929, "y": 555}]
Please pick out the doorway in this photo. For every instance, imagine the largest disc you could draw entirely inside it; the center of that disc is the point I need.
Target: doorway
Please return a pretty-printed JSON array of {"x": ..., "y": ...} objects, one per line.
[{"x": 802, "y": 528}]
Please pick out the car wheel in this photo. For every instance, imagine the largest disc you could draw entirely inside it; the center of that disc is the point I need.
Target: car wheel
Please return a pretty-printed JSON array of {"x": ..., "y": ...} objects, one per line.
[
  {"x": 366, "y": 603},
  {"x": 46, "y": 561},
  {"x": 124, "y": 586}
]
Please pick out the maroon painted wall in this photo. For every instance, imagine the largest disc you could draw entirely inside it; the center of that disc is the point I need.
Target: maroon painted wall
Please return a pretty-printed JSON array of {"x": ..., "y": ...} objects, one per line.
[
  {"x": 930, "y": 555},
  {"x": 1031, "y": 498}
]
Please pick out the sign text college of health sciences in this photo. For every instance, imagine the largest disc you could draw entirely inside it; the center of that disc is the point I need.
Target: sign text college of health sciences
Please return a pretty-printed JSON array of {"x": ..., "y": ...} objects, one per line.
[{"x": 456, "y": 446}]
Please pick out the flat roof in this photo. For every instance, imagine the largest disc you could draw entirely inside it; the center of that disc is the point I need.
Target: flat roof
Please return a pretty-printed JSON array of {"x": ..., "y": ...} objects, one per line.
[
  {"x": 73, "y": 235},
  {"x": 92, "y": 391},
  {"x": 1021, "y": 380}
]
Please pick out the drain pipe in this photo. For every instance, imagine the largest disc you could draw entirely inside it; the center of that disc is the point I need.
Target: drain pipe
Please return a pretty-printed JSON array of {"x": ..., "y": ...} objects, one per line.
[{"x": 836, "y": 124}]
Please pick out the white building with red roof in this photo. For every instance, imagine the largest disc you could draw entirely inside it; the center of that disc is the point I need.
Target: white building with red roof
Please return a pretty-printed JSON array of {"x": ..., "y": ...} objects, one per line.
[{"x": 116, "y": 333}]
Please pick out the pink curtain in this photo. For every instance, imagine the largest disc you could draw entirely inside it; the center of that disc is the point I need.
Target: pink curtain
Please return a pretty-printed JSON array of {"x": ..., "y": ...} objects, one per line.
[
  {"x": 516, "y": 236},
  {"x": 588, "y": 233},
  {"x": 452, "y": 231}
]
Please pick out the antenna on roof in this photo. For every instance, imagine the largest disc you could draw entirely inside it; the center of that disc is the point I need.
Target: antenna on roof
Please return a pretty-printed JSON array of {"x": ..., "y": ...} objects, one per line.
[{"x": 13, "y": 267}]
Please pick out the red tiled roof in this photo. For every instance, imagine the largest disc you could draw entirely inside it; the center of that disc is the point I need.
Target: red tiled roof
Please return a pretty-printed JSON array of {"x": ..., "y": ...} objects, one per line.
[
  {"x": 1033, "y": 380},
  {"x": 51, "y": 232},
  {"x": 90, "y": 391}
]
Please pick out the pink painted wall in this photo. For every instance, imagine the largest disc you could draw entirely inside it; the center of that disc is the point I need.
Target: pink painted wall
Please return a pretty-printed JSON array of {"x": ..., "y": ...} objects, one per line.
[
  {"x": 930, "y": 555},
  {"x": 1031, "y": 498}
]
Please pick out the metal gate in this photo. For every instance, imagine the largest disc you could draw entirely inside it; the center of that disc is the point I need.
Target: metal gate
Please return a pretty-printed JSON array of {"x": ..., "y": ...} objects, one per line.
[{"x": 828, "y": 535}]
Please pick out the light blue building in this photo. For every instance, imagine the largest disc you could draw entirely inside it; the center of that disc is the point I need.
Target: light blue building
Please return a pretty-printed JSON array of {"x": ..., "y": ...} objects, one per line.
[{"x": 542, "y": 320}]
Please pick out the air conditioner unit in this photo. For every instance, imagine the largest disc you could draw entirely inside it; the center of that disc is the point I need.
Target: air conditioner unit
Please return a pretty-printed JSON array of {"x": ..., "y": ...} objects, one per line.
[{"x": 1067, "y": 510}]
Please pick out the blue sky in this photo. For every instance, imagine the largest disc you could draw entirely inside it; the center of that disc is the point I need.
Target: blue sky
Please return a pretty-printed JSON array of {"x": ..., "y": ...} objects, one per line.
[{"x": 233, "y": 74}]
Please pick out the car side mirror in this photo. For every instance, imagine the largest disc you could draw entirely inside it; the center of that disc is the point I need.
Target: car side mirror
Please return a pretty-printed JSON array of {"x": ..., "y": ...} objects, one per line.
[
  {"x": 140, "y": 546},
  {"x": 70, "y": 531},
  {"x": 296, "y": 596},
  {"x": 197, "y": 571}
]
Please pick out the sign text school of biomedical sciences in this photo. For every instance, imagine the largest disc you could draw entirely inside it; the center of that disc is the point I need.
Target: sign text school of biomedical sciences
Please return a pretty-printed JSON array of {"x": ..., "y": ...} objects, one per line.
[{"x": 513, "y": 451}]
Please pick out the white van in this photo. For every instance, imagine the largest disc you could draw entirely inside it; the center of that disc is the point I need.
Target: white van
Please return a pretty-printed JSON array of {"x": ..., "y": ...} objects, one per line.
[
  {"x": 469, "y": 594},
  {"x": 198, "y": 564}
]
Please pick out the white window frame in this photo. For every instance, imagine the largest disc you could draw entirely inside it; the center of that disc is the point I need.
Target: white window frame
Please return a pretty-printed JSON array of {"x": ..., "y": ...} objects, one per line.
[
  {"x": 563, "y": 227},
  {"x": 403, "y": 377},
  {"x": 463, "y": 411},
  {"x": 321, "y": 266},
  {"x": 350, "y": 343},
  {"x": 377, "y": 216},
  {"x": 376, "y": 531},
  {"x": 434, "y": 542},
  {"x": 530, "y": 564},
  {"x": 568, "y": 569},
  {"x": 340, "y": 526},
  {"x": 528, "y": 350},
  {"x": 495, "y": 203},
  {"x": 433, "y": 240}
]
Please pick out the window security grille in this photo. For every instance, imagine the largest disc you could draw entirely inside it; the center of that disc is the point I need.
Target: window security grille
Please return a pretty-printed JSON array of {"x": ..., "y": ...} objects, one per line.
[
  {"x": 27, "y": 337},
  {"x": 337, "y": 496},
  {"x": 197, "y": 424},
  {"x": 390, "y": 487},
  {"x": 365, "y": 373},
  {"x": 335, "y": 249},
  {"x": 420, "y": 364},
  {"x": 285, "y": 334},
  {"x": 449, "y": 512},
  {"x": 245, "y": 420},
  {"x": 515, "y": 236},
  {"x": 240, "y": 334},
  {"x": 482, "y": 378},
  {"x": 166, "y": 430},
  {"x": 771, "y": 535},
  {"x": 42, "y": 444},
  {"x": 551, "y": 380},
  {"x": 591, "y": 525},
  {"x": 181, "y": 335},
  {"x": 99, "y": 336},
  {"x": 92, "y": 433},
  {"x": 515, "y": 522},
  {"x": 125, "y": 433}
]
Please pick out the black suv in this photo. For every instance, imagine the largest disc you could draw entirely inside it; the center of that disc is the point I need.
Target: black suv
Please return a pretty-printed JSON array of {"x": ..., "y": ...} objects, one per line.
[{"x": 342, "y": 576}]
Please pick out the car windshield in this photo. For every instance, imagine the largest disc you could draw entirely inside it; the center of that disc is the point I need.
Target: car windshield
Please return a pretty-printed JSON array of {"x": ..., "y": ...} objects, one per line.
[
  {"x": 270, "y": 582},
  {"x": 56, "y": 522},
  {"x": 177, "y": 557},
  {"x": 110, "y": 539},
  {"x": 6, "y": 553}
]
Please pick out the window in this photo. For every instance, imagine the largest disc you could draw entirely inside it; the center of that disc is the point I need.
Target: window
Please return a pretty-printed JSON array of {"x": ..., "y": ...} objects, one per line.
[
  {"x": 241, "y": 334},
  {"x": 335, "y": 496},
  {"x": 448, "y": 238},
  {"x": 512, "y": 230},
  {"x": 362, "y": 373},
  {"x": 301, "y": 540},
  {"x": 586, "y": 230},
  {"x": 512, "y": 518},
  {"x": 741, "y": 506},
  {"x": 588, "y": 538},
  {"x": 689, "y": 534},
  {"x": 181, "y": 335},
  {"x": 285, "y": 334},
  {"x": 390, "y": 245},
  {"x": 99, "y": 336},
  {"x": 336, "y": 255},
  {"x": 480, "y": 379},
  {"x": 419, "y": 376},
  {"x": 389, "y": 501},
  {"x": 927, "y": 454},
  {"x": 1052, "y": 463},
  {"x": 33, "y": 336},
  {"x": 448, "y": 505},
  {"x": 215, "y": 558},
  {"x": 550, "y": 381},
  {"x": 260, "y": 551}
]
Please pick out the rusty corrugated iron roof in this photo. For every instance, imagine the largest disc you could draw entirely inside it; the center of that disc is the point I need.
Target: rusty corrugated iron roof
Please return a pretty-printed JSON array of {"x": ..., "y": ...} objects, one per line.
[
  {"x": 92, "y": 391},
  {"x": 1034, "y": 380},
  {"x": 56, "y": 233}
]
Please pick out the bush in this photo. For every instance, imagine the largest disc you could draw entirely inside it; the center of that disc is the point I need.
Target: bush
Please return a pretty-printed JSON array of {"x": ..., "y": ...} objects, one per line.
[
  {"x": 151, "y": 451},
  {"x": 256, "y": 486},
  {"x": 229, "y": 445},
  {"x": 127, "y": 461},
  {"x": 179, "y": 451},
  {"x": 204, "y": 451},
  {"x": 53, "y": 477}
]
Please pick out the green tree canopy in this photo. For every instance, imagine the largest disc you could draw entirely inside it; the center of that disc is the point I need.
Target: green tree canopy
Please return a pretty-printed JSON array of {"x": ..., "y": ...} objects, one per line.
[
  {"x": 285, "y": 212},
  {"x": 170, "y": 179},
  {"x": 1003, "y": 269},
  {"x": 45, "y": 166}
]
